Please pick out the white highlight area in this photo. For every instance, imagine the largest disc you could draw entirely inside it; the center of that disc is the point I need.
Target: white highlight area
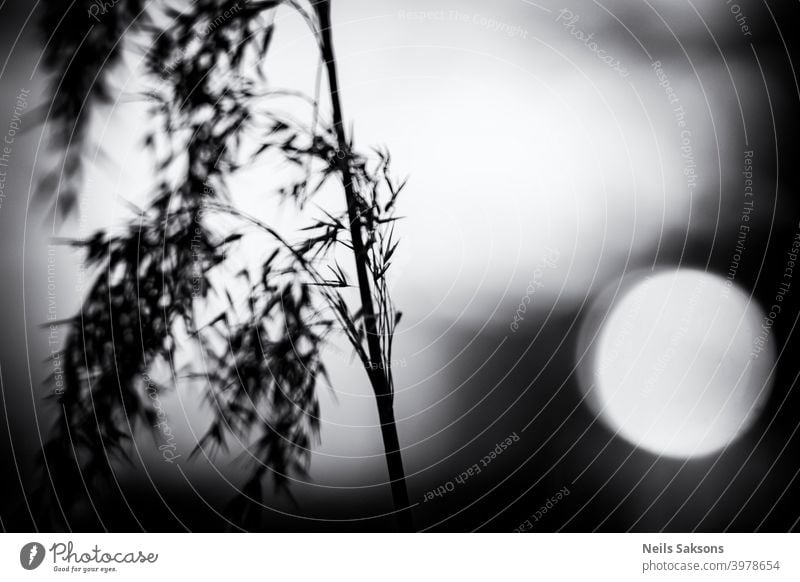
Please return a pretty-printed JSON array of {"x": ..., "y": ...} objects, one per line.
[{"x": 671, "y": 363}]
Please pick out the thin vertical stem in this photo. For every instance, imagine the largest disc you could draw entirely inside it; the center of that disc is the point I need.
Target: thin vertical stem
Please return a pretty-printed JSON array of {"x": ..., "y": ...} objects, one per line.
[{"x": 377, "y": 375}]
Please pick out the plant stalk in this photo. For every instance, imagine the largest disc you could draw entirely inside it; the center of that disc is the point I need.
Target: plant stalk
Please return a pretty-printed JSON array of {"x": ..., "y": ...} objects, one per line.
[{"x": 377, "y": 375}]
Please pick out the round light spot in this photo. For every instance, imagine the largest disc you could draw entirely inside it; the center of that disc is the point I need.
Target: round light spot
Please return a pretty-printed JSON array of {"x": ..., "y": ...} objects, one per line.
[{"x": 676, "y": 362}]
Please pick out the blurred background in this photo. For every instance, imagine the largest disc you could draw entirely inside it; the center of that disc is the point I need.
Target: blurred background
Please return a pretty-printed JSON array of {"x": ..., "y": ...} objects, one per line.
[{"x": 551, "y": 150}]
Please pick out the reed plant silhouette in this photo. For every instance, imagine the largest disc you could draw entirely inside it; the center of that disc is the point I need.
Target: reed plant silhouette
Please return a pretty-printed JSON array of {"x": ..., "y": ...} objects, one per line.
[{"x": 163, "y": 285}]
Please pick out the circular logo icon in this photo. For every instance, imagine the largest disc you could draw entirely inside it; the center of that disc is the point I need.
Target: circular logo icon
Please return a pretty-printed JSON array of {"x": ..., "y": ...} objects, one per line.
[{"x": 31, "y": 555}]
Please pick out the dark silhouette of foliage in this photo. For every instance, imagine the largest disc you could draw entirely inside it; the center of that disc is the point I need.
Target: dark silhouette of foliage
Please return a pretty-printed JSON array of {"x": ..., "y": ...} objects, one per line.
[
  {"x": 80, "y": 51},
  {"x": 164, "y": 276}
]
